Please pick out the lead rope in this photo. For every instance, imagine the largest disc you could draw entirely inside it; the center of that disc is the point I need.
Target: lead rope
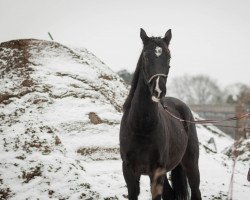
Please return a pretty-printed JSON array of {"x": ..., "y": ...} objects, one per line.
[{"x": 210, "y": 122}]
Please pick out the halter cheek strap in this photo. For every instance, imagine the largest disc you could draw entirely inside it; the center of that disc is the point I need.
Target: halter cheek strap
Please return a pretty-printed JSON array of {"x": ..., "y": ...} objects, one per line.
[{"x": 157, "y": 75}]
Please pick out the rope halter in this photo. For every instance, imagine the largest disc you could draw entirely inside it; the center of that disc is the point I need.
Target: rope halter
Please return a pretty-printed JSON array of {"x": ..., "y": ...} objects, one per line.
[{"x": 157, "y": 75}]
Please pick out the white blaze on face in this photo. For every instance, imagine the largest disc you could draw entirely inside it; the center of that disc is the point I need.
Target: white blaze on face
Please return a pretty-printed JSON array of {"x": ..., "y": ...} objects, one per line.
[
  {"x": 157, "y": 88},
  {"x": 158, "y": 51}
]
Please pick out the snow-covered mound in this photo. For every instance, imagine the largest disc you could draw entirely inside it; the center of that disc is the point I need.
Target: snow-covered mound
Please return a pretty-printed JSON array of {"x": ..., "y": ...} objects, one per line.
[
  {"x": 56, "y": 103},
  {"x": 60, "y": 110}
]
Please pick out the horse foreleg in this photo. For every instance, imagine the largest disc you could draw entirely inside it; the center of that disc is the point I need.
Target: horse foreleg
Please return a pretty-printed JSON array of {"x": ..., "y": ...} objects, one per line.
[
  {"x": 157, "y": 182},
  {"x": 132, "y": 181}
]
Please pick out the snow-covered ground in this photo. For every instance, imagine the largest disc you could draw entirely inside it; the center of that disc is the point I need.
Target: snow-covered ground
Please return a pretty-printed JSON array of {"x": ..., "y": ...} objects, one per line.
[{"x": 60, "y": 110}]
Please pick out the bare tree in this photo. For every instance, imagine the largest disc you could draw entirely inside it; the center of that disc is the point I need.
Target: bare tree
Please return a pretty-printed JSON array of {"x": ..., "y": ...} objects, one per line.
[
  {"x": 198, "y": 89},
  {"x": 234, "y": 91},
  {"x": 126, "y": 76}
]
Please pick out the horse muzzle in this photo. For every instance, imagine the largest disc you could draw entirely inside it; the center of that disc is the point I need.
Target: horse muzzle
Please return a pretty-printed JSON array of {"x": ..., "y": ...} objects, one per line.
[{"x": 158, "y": 88}]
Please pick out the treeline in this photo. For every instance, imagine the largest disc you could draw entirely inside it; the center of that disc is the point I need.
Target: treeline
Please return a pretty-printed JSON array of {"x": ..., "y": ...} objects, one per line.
[{"x": 199, "y": 89}]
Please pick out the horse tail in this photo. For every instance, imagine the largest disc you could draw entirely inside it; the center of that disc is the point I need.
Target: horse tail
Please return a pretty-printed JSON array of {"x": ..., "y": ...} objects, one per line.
[{"x": 179, "y": 183}]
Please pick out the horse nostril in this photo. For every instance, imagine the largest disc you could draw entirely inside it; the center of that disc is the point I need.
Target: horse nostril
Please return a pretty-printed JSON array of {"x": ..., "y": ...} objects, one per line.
[{"x": 155, "y": 99}]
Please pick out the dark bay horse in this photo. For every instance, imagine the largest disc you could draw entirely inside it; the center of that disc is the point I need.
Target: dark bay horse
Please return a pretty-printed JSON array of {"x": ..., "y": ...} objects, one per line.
[{"x": 152, "y": 142}]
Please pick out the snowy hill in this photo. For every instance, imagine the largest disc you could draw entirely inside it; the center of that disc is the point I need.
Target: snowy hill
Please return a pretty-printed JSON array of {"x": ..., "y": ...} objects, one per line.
[{"x": 60, "y": 110}]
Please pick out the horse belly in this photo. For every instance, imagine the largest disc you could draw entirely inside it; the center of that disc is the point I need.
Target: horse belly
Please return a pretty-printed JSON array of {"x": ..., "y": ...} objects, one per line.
[{"x": 177, "y": 150}]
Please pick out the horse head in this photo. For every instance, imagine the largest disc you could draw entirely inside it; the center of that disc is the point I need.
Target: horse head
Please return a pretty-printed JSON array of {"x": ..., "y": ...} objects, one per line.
[{"x": 155, "y": 63}]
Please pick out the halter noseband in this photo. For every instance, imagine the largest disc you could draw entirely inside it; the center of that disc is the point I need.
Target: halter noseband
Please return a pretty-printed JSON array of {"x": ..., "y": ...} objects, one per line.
[{"x": 157, "y": 75}]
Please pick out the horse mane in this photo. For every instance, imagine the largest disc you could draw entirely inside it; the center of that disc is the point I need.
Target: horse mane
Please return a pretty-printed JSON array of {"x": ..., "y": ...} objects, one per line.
[{"x": 134, "y": 82}]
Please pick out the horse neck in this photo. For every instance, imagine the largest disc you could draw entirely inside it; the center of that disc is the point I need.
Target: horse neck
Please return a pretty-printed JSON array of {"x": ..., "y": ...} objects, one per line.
[{"x": 143, "y": 111}]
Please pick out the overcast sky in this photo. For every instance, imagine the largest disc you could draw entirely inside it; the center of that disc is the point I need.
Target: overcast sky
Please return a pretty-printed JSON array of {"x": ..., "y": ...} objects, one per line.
[{"x": 210, "y": 37}]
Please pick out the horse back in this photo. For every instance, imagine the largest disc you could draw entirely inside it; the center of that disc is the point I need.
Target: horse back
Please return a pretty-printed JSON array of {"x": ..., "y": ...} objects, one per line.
[{"x": 178, "y": 108}]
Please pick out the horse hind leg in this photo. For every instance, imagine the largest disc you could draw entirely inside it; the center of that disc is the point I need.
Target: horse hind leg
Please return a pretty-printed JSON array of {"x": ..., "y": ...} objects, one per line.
[
  {"x": 193, "y": 176},
  {"x": 132, "y": 180},
  {"x": 179, "y": 183},
  {"x": 191, "y": 166}
]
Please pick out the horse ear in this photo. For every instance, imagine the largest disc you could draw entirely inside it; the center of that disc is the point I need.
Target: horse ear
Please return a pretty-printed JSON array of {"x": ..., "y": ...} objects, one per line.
[
  {"x": 144, "y": 36},
  {"x": 167, "y": 37}
]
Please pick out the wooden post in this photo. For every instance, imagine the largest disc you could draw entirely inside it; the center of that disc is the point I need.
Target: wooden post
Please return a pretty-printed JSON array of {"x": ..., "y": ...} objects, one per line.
[
  {"x": 50, "y": 36},
  {"x": 242, "y": 123},
  {"x": 248, "y": 175}
]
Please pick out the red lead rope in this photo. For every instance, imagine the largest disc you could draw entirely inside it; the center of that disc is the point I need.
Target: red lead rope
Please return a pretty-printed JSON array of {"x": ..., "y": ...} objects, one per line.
[{"x": 210, "y": 122}]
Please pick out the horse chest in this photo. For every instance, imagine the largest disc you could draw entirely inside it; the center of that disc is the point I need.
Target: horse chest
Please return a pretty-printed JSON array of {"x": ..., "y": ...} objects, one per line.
[{"x": 143, "y": 155}]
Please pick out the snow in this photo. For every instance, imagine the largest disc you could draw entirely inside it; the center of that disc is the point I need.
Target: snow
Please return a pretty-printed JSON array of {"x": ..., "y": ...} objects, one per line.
[{"x": 50, "y": 148}]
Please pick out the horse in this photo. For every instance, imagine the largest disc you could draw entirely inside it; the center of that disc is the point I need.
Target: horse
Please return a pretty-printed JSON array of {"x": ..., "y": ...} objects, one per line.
[{"x": 152, "y": 142}]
